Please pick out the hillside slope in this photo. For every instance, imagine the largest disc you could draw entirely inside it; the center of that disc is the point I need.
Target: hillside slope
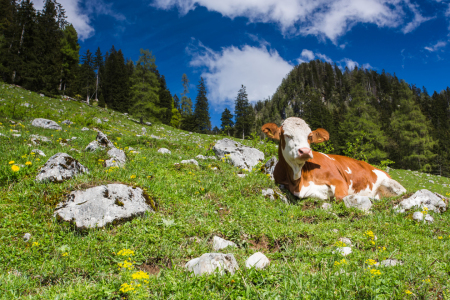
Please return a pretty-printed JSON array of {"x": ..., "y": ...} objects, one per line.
[{"x": 194, "y": 204}]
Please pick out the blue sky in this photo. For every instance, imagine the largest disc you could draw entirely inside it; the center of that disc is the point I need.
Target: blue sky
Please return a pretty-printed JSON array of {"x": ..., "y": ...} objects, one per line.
[{"x": 257, "y": 42}]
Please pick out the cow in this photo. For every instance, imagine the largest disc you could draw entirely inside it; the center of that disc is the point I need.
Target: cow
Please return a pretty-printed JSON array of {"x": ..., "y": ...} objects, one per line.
[{"x": 308, "y": 173}]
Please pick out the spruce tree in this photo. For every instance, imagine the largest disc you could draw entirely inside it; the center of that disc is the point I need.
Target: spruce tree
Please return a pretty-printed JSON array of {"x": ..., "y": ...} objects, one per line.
[
  {"x": 165, "y": 100},
  {"x": 176, "y": 102},
  {"x": 227, "y": 121},
  {"x": 145, "y": 88},
  {"x": 412, "y": 134},
  {"x": 116, "y": 82},
  {"x": 98, "y": 64},
  {"x": 186, "y": 102},
  {"x": 70, "y": 57},
  {"x": 87, "y": 74},
  {"x": 201, "y": 111},
  {"x": 8, "y": 26},
  {"x": 243, "y": 114}
]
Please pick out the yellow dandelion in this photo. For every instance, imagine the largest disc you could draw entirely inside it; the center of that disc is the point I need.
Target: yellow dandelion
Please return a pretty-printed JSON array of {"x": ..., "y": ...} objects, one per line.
[
  {"x": 440, "y": 237},
  {"x": 65, "y": 254},
  {"x": 408, "y": 292},
  {"x": 28, "y": 163},
  {"x": 15, "y": 168},
  {"x": 11, "y": 162},
  {"x": 35, "y": 244},
  {"x": 133, "y": 176}
]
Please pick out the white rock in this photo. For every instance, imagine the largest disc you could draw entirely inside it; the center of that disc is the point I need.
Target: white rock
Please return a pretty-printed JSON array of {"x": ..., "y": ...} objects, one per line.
[
  {"x": 97, "y": 120},
  {"x": 220, "y": 243},
  {"x": 327, "y": 206},
  {"x": 38, "y": 152},
  {"x": 26, "y": 237},
  {"x": 164, "y": 151},
  {"x": 391, "y": 263},
  {"x": 37, "y": 139},
  {"x": 346, "y": 241},
  {"x": 360, "y": 202},
  {"x": 344, "y": 251},
  {"x": 84, "y": 129},
  {"x": 240, "y": 156},
  {"x": 103, "y": 140},
  {"x": 200, "y": 157},
  {"x": 268, "y": 193},
  {"x": 102, "y": 205},
  {"x": 418, "y": 216},
  {"x": 92, "y": 146},
  {"x": 16, "y": 135},
  {"x": 67, "y": 122},
  {"x": 209, "y": 263},
  {"x": 60, "y": 167},
  {"x": 429, "y": 218},
  {"x": 269, "y": 166},
  {"x": 257, "y": 261},
  {"x": 117, "y": 158},
  {"x": 423, "y": 198},
  {"x": 190, "y": 161},
  {"x": 47, "y": 124},
  {"x": 241, "y": 175}
]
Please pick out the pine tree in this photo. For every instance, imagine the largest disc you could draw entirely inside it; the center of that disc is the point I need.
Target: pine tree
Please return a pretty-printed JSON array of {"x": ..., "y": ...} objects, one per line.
[
  {"x": 243, "y": 114},
  {"x": 49, "y": 53},
  {"x": 165, "y": 100},
  {"x": 186, "y": 103},
  {"x": 70, "y": 57},
  {"x": 87, "y": 74},
  {"x": 8, "y": 26},
  {"x": 98, "y": 64},
  {"x": 176, "y": 102},
  {"x": 227, "y": 121},
  {"x": 412, "y": 135},
  {"x": 201, "y": 111},
  {"x": 145, "y": 88},
  {"x": 116, "y": 81}
]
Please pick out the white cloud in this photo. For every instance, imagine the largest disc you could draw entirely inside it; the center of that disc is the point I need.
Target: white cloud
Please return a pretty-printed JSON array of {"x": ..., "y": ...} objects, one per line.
[
  {"x": 351, "y": 64},
  {"x": 324, "y": 57},
  {"x": 308, "y": 55},
  {"x": 81, "y": 17},
  {"x": 435, "y": 47},
  {"x": 260, "y": 69},
  {"x": 323, "y": 18}
]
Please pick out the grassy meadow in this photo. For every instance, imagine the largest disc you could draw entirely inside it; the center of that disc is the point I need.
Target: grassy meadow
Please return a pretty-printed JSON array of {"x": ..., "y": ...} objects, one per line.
[{"x": 144, "y": 258}]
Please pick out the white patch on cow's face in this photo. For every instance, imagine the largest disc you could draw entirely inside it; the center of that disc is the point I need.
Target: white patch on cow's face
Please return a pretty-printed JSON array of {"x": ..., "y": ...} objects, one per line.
[
  {"x": 322, "y": 191},
  {"x": 295, "y": 132}
]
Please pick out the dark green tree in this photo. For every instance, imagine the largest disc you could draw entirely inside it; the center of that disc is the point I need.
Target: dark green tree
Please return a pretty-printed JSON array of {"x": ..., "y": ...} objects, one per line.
[
  {"x": 176, "y": 102},
  {"x": 186, "y": 102},
  {"x": 227, "y": 121},
  {"x": 243, "y": 114},
  {"x": 116, "y": 82},
  {"x": 70, "y": 57},
  {"x": 145, "y": 88},
  {"x": 165, "y": 100},
  {"x": 201, "y": 111}
]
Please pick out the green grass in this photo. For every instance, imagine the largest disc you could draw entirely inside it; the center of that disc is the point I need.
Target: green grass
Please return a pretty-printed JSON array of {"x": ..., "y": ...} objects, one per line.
[{"x": 194, "y": 204}]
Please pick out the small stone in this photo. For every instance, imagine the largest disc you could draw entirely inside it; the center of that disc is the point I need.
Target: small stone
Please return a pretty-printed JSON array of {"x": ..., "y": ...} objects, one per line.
[
  {"x": 84, "y": 129},
  {"x": 327, "y": 206},
  {"x": 67, "y": 122},
  {"x": 268, "y": 193},
  {"x": 190, "y": 161},
  {"x": 92, "y": 146},
  {"x": 164, "y": 151},
  {"x": 335, "y": 230},
  {"x": 117, "y": 158},
  {"x": 360, "y": 202},
  {"x": 103, "y": 140},
  {"x": 241, "y": 175},
  {"x": 391, "y": 263},
  {"x": 26, "y": 237},
  {"x": 257, "y": 261},
  {"x": 200, "y": 157},
  {"x": 16, "y": 135},
  {"x": 209, "y": 263},
  {"x": 344, "y": 251},
  {"x": 423, "y": 198},
  {"x": 346, "y": 241},
  {"x": 220, "y": 243},
  {"x": 418, "y": 216},
  {"x": 429, "y": 218}
]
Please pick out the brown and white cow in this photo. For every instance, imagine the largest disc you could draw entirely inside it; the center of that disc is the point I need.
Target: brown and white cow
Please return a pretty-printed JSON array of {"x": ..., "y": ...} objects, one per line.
[{"x": 307, "y": 173}]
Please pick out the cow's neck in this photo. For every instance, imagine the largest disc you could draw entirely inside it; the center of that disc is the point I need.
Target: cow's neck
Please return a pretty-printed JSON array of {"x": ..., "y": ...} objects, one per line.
[{"x": 294, "y": 170}]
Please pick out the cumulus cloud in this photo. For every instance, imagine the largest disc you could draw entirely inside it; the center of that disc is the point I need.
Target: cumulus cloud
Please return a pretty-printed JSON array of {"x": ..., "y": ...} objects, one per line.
[
  {"x": 260, "y": 69},
  {"x": 80, "y": 17},
  {"x": 323, "y": 18},
  {"x": 435, "y": 47}
]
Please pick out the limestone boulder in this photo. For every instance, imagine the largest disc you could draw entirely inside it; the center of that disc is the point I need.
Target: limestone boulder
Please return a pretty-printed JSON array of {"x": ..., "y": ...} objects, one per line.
[
  {"x": 239, "y": 155},
  {"x": 190, "y": 161},
  {"x": 164, "y": 151},
  {"x": 423, "y": 198},
  {"x": 269, "y": 167},
  {"x": 60, "y": 167},
  {"x": 102, "y": 205},
  {"x": 209, "y": 263},
  {"x": 38, "y": 152},
  {"x": 46, "y": 124}
]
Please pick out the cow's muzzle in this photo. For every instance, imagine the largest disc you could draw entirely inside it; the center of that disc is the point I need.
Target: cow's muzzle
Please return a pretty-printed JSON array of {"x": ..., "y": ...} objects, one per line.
[{"x": 305, "y": 153}]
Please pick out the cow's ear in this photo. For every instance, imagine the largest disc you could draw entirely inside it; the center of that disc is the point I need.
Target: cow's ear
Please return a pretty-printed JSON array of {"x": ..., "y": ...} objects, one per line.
[
  {"x": 319, "y": 135},
  {"x": 272, "y": 130}
]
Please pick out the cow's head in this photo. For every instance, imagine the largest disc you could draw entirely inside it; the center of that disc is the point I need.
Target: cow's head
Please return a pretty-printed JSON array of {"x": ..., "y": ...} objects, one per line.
[{"x": 295, "y": 138}]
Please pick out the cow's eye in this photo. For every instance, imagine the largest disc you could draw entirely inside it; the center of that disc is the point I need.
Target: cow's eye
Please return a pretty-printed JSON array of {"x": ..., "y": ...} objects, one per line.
[{"x": 288, "y": 136}]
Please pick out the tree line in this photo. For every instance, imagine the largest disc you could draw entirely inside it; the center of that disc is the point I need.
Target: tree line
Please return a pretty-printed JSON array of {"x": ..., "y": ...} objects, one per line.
[
  {"x": 39, "y": 51},
  {"x": 371, "y": 116}
]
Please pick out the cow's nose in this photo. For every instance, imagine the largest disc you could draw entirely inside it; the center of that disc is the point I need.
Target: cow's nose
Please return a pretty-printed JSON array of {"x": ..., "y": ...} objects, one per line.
[{"x": 305, "y": 152}]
